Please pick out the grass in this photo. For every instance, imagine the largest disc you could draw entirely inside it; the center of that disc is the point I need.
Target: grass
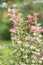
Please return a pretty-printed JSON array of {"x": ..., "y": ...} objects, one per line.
[
  {"x": 7, "y": 45},
  {"x": 5, "y": 52},
  {"x": 4, "y": 42}
]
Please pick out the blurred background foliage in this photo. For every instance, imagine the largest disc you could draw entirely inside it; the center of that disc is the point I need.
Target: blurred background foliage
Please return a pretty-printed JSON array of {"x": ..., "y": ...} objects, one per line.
[{"x": 26, "y": 6}]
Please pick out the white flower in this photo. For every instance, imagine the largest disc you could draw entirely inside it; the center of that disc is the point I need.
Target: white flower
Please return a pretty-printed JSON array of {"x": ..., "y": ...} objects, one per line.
[
  {"x": 34, "y": 34},
  {"x": 15, "y": 50},
  {"x": 38, "y": 24},
  {"x": 13, "y": 11},
  {"x": 32, "y": 47},
  {"x": 40, "y": 41},
  {"x": 25, "y": 56},
  {"x": 11, "y": 61},
  {"x": 22, "y": 49},
  {"x": 26, "y": 45},
  {"x": 27, "y": 50},
  {"x": 19, "y": 42},
  {"x": 27, "y": 60},
  {"x": 40, "y": 61},
  {"x": 9, "y": 10},
  {"x": 4, "y": 4},
  {"x": 37, "y": 38},
  {"x": 33, "y": 61},
  {"x": 40, "y": 36},
  {"x": 12, "y": 38},
  {"x": 37, "y": 49}
]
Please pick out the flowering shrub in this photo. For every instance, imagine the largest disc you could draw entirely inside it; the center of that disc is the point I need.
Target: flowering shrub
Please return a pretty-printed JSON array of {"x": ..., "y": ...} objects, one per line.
[{"x": 27, "y": 38}]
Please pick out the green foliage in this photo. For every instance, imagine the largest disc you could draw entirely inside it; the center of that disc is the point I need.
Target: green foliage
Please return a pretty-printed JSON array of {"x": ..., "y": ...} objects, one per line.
[
  {"x": 4, "y": 26},
  {"x": 4, "y": 32}
]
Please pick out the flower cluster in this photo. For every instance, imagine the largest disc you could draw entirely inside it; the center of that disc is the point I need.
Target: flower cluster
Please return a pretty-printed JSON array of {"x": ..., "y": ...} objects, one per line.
[
  {"x": 33, "y": 18},
  {"x": 26, "y": 37}
]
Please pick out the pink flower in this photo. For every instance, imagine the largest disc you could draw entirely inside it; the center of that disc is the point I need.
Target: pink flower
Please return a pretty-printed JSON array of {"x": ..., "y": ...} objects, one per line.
[
  {"x": 12, "y": 30},
  {"x": 16, "y": 10},
  {"x": 30, "y": 21},
  {"x": 29, "y": 17},
  {"x": 16, "y": 41},
  {"x": 35, "y": 18},
  {"x": 8, "y": 15},
  {"x": 36, "y": 29},
  {"x": 41, "y": 29},
  {"x": 36, "y": 14},
  {"x": 38, "y": 55},
  {"x": 15, "y": 23},
  {"x": 14, "y": 16}
]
